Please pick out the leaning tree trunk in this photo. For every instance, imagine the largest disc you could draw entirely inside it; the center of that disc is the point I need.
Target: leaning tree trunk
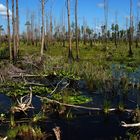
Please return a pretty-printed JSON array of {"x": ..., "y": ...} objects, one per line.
[
  {"x": 70, "y": 56},
  {"x": 42, "y": 39},
  {"x": 76, "y": 30},
  {"x": 17, "y": 26},
  {"x": 13, "y": 23},
  {"x": 8, "y": 28}
]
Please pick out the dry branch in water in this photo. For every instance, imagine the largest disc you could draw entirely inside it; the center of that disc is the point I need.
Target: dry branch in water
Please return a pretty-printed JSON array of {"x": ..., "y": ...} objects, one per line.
[
  {"x": 130, "y": 125},
  {"x": 79, "y": 107},
  {"x": 57, "y": 132},
  {"x": 24, "y": 103}
]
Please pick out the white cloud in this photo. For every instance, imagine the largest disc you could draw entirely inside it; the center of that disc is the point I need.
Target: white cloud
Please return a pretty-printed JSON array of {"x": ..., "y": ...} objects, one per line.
[
  {"x": 3, "y": 10},
  {"x": 100, "y": 5}
]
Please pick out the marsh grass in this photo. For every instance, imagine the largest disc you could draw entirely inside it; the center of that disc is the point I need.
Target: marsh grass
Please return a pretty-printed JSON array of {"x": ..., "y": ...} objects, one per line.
[
  {"x": 25, "y": 132},
  {"x": 94, "y": 67}
]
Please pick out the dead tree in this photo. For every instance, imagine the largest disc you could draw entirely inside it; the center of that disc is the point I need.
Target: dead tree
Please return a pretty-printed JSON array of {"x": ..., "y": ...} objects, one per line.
[
  {"x": 17, "y": 26},
  {"x": 63, "y": 28},
  {"x": 32, "y": 28},
  {"x": 76, "y": 29},
  {"x": 70, "y": 55},
  {"x": 42, "y": 28},
  {"x": 126, "y": 34},
  {"x": 14, "y": 37},
  {"x": 116, "y": 29},
  {"x": 8, "y": 29},
  {"x": 1, "y": 29},
  {"x": 51, "y": 23},
  {"x": 130, "y": 53},
  {"x": 137, "y": 26},
  {"x": 28, "y": 26},
  {"x": 106, "y": 21}
]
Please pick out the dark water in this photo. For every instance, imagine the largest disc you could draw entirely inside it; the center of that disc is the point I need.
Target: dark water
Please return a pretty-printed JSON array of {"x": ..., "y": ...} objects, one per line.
[
  {"x": 133, "y": 77},
  {"x": 119, "y": 71},
  {"x": 86, "y": 125}
]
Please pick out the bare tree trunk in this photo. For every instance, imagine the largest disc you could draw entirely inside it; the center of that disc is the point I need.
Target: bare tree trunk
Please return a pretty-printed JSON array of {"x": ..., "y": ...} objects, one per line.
[
  {"x": 51, "y": 26},
  {"x": 0, "y": 35},
  {"x": 76, "y": 30},
  {"x": 17, "y": 26},
  {"x": 47, "y": 29},
  {"x": 13, "y": 23},
  {"x": 63, "y": 37},
  {"x": 32, "y": 28},
  {"x": 130, "y": 53},
  {"x": 42, "y": 39},
  {"x": 84, "y": 30},
  {"x": 8, "y": 27},
  {"x": 116, "y": 31},
  {"x": 106, "y": 21},
  {"x": 137, "y": 27},
  {"x": 126, "y": 36},
  {"x": 70, "y": 56}
]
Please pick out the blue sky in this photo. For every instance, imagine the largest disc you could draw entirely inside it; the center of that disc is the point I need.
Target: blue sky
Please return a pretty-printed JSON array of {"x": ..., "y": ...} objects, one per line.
[{"x": 89, "y": 10}]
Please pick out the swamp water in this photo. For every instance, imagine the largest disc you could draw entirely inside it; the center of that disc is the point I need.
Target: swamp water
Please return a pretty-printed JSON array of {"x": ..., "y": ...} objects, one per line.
[{"x": 83, "y": 124}]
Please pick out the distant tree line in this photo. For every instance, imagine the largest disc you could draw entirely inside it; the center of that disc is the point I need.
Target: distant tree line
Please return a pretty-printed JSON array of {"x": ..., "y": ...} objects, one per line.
[{"x": 50, "y": 31}]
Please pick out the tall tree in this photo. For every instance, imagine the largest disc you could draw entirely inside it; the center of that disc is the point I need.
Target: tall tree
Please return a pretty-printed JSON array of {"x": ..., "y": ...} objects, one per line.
[
  {"x": 63, "y": 28},
  {"x": 17, "y": 26},
  {"x": 13, "y": 23},
  {"x": 43, "y": 32},
  {"x": 137, "y": 25},
  {"x": 76, "y": 29},
  {"x": 116, "y": 29},
  {"x": 84, "y": 30},
  {"x": 126, "y": 34},
  {"x": 51, "y": 22},
  {"x": 32, "y": 27},
  {"x": 70, "y": 56},
  {"x": 28, "y": 26},
  {"x": 130, "y": 53},
  {"x": 1, "y": 29},
  {"x": 8, "y": 29},
  {"x": 106, "y": 21}
]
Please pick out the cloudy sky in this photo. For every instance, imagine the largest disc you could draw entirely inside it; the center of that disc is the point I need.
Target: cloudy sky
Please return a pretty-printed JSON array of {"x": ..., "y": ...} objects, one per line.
[{"x": 89, "y": 10}]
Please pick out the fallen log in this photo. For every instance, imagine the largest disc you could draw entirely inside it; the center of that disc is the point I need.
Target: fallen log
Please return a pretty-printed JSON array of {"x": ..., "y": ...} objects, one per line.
[
  {"x": 123, "y": 124},
  {"x": 79, "y": 107}
]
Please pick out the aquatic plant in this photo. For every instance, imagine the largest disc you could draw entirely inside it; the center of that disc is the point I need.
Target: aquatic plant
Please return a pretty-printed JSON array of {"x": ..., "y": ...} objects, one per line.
[
  {"x": 121, "y": 106},
  {"x": 2, "y": 117},
  {"x": 106, "y": 107},
  {"x": 25, "y": 132},
  {"x": 39, "y": 116},
  {"x": 12, "y": 119}
]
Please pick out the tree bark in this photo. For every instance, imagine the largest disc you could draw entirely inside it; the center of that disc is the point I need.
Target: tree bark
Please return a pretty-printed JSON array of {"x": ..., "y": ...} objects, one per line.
[
  {"x": 8, "y": 28},
  {"x": 130, "y": 53},
  {"x": 76, "y": 30},
  {"x": 106, "y": 22},
  {"x": 42, "y": 39},
  {"x": 70, "y": 56},
  {"x": 13, "y": 23},
  {"x": 17, "y": 27}
]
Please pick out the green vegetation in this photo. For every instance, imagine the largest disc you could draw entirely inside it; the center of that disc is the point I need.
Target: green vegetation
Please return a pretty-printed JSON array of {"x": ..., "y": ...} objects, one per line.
[
  {"x": 25, "y": 132},
  {"x": 50, "y": 72}
]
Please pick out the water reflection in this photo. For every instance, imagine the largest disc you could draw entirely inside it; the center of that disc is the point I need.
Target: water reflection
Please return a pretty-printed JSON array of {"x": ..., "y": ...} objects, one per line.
[{"x": 133, "y": 76}]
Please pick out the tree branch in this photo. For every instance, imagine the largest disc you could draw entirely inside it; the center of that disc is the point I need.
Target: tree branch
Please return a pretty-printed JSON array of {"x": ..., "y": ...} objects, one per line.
[
  {"x": 77, "y": 106},
  {"x": 130, "y": 125}
]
